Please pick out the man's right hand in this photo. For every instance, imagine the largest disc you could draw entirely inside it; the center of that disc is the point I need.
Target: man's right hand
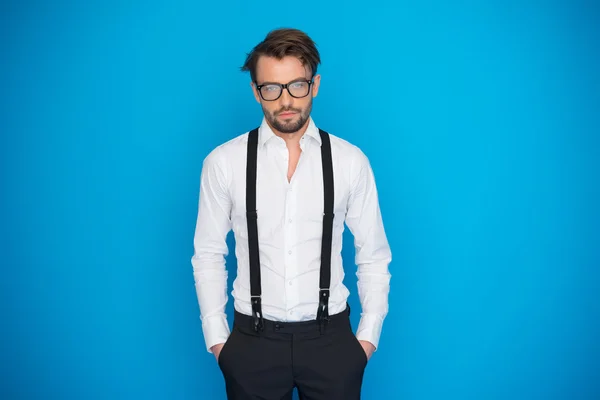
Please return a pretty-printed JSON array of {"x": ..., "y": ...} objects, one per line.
[{"x": 216, "y": 349}]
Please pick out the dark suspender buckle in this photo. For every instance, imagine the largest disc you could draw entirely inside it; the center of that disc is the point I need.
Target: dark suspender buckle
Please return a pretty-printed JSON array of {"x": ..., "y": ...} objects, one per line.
[
  {"x": 323, "y": 312},
  {"x": 328, "y": 217},
  {"x": 257, "y": 314}
]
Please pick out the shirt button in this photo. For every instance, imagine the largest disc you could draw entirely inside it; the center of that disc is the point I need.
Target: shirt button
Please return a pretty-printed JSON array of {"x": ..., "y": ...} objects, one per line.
[
  {"x": 290, "y": 283},
  {"x": 289, "y": 252},
  {"x": 290, "y": 220}
]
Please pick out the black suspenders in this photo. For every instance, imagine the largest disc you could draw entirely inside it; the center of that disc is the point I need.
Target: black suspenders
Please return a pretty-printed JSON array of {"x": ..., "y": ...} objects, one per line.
[
  {"x": 252, "y": 217},
  {"x": 325, "y": 278}
]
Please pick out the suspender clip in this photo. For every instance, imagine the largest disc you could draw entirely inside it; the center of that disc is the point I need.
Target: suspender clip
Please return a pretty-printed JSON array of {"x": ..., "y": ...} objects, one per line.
[
  {"x": 257, "y": 314},
  {"x": 323, "y": 311}
]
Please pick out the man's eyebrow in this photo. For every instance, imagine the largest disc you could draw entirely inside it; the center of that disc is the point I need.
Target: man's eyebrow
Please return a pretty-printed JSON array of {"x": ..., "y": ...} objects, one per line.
[{"x": 302, "y": 78}]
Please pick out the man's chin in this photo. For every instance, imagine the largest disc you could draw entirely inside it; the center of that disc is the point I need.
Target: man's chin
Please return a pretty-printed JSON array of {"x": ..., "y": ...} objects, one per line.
[
  {"x": 288, "y": 131},
  {"x": 287, "y": 128}
]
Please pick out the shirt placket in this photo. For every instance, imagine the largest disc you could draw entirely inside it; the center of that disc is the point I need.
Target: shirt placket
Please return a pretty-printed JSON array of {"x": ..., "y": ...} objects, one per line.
[{"x": 290, "y": 239}]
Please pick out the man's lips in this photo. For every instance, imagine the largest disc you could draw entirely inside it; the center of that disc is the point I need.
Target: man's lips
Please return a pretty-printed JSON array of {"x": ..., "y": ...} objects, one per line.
[{"x": 287, "y": 114}]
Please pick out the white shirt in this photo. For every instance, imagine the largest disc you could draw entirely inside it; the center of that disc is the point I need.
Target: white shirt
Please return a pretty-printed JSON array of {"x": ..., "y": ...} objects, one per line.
[{"x": 290, "y": 223}]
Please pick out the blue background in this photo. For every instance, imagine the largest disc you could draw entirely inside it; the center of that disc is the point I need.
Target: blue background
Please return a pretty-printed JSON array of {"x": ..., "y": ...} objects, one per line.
[{"x": 481, "y": 120}]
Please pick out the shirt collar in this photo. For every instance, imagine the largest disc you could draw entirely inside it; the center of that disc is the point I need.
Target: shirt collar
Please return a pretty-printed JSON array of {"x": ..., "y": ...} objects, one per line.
[{"x": 265, "y": 133}]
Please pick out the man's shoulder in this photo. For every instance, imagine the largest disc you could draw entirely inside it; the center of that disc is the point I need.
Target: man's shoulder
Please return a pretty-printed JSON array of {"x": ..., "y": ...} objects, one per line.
[
  {"x": 232, "y": 148},
  {"x": 237, "y": 143},
  {"x": 345, "y": 148}
]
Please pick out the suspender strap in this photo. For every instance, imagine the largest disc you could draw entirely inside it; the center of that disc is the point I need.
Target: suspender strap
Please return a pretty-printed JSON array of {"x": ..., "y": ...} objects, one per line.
[
  {"x": 252, "y": 220},
  {"x": 252, "y": 217},
  {"x": 328, "y": 201}
]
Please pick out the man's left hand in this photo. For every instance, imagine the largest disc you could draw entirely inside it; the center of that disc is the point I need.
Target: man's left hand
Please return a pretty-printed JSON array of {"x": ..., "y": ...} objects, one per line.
[{"x": 368, "y": 348}]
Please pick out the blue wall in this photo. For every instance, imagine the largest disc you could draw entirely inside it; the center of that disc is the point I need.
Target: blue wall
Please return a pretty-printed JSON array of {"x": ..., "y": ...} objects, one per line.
[{"x": 482, "y": 123}]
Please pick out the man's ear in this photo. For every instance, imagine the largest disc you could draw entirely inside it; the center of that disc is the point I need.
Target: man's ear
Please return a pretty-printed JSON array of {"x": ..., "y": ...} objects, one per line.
[
  {"x": 255, "y": 92},
  {"x": 315, "y": 85}
]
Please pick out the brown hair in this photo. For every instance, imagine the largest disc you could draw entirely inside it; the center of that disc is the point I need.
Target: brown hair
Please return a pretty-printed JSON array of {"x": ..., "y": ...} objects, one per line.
[{"x": 284, "y": 42}]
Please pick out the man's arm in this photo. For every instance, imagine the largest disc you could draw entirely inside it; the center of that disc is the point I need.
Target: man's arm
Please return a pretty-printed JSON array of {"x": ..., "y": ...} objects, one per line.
[
  {"x": 210, "y": 249},
  {"x": 373, "y": 253}
]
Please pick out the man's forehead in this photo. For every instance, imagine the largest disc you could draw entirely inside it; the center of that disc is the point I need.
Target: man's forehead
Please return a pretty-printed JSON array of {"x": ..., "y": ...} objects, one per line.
[{"x": 271, "y": 69}]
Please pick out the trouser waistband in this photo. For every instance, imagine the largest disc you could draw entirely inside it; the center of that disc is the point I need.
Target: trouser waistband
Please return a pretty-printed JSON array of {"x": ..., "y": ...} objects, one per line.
[{"x": 246, "y": 323}]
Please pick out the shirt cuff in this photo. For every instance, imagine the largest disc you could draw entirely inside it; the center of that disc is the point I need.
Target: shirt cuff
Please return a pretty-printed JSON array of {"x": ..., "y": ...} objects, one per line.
[
  {"x": 369, "y": 329},
  {"x": 216, "y": 330}
]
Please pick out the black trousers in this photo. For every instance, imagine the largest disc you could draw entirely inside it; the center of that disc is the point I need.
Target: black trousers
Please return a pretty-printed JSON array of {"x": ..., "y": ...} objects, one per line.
[{"x": 323, "y": 365}]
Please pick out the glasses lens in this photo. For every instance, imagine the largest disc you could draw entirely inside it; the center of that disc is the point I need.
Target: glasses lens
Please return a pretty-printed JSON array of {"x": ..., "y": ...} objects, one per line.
[
  {"x": 299, "y": 89},
  {"x": 270, "y": 92}
]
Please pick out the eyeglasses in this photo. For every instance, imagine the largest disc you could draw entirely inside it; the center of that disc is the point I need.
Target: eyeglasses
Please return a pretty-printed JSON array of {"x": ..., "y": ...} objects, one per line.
[{"x": 272, "y": 91}]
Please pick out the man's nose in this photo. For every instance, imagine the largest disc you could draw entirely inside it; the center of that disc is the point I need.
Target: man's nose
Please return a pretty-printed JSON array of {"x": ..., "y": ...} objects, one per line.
[{"x": 286, "y": 100}]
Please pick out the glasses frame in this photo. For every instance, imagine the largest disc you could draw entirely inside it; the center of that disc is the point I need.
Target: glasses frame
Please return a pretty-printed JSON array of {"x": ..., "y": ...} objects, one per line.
[{"x": 285, "y": 86}]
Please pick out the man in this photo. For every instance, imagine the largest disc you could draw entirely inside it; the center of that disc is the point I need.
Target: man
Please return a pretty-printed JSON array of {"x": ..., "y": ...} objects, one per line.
[{"x": 286, "y": 189}]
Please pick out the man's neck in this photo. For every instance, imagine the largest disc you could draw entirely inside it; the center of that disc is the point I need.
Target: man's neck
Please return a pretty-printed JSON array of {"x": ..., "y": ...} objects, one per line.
[{"x": 292, "y": 139}]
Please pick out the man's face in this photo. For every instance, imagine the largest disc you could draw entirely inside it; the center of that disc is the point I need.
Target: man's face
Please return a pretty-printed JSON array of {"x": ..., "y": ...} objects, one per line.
[{"x": 287, "y": 114}]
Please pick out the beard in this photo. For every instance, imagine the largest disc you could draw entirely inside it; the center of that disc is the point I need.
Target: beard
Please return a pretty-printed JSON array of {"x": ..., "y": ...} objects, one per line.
[{"x": 290, "y": 126}]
